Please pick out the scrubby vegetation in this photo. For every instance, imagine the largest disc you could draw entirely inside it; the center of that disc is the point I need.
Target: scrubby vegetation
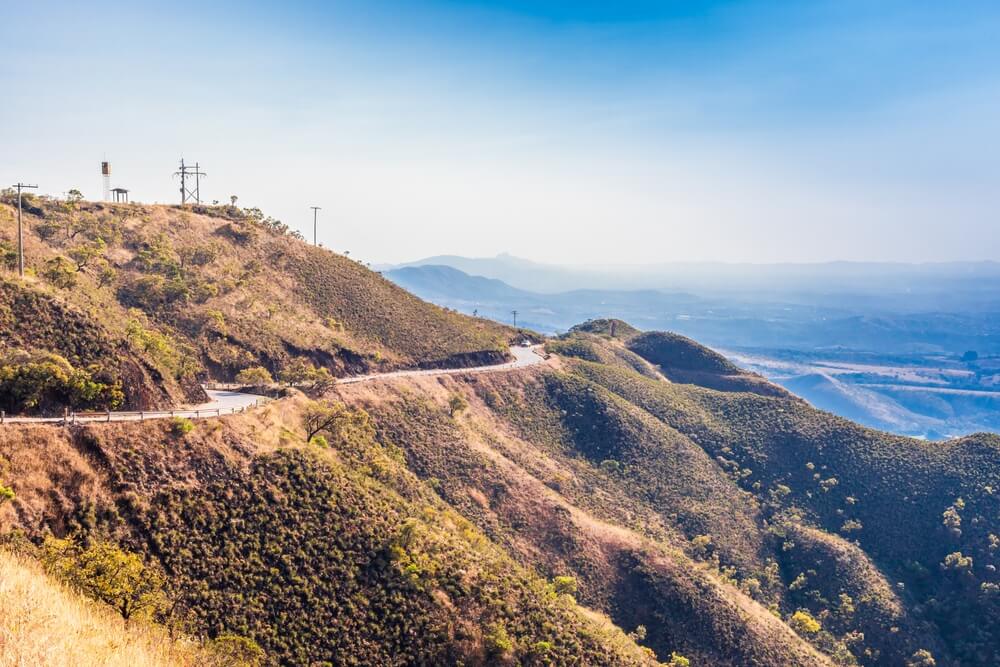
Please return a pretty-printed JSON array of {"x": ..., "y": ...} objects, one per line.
[
  {"x": 636, "y": 500},
  {"x": 161, "y": 298},
  {"x": 47, "y": 624}
]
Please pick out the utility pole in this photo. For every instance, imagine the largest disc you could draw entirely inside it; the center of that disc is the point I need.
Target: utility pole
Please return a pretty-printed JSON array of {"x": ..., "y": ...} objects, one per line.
[
  {"x": 315, "y": 208},
  {"x": 187, "y": 171},
  {"x": 514, "y": 313},
  {"x": 20, "y": 233}
]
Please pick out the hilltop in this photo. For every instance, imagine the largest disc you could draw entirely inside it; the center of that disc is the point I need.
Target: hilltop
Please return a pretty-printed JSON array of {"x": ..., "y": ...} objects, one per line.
[{"x": 135, "y": 305}]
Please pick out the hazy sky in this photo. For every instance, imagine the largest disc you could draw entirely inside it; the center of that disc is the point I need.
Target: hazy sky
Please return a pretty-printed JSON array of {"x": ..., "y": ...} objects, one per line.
[{"x": 559, "y": 131}]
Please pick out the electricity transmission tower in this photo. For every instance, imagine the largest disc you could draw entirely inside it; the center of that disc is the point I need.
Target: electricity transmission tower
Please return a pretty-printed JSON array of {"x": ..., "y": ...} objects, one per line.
[
  {"x": 315, "y": 208},
  {"x": 186, "y": 173},
  {"x": 20, "y": 233}
]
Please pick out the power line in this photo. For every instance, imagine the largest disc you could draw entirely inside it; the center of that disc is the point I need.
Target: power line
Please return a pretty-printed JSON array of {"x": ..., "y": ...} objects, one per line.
[
  {"x": 315, "y": 208},
  {"x": 186, "y": 172},
  {"x": 20, "y": 233}
]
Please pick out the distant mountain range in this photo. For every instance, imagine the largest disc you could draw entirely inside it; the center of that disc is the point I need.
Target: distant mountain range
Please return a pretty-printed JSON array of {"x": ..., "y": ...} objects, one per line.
[
  {"x": 966, "y": 286},
  {"x": 837, "y": 346}
]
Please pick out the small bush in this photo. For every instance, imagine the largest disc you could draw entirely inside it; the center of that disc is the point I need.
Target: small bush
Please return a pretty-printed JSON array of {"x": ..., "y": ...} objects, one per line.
[
  {"x": 564, "y": 585},
  {"x": 181, "y": 426},
  {"x": 456, "y": 404},
  {"x": 498, "y": 642},
  {"x": 804, "y": 623},
  {"x": 238, "y": 650},
  {"x": 6, "y": 493}
]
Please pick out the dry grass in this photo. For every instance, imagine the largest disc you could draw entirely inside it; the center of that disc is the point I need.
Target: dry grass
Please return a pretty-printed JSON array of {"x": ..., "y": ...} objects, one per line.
[{"x": 44, "y": 623}]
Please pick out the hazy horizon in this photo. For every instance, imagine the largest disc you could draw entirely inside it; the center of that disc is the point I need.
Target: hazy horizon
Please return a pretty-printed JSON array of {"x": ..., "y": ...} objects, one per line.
[{"x": 571, "y": 133}]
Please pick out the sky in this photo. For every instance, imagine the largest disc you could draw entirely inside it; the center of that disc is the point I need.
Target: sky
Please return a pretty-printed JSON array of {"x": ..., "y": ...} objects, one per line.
[{"x": 564, "y": 132}]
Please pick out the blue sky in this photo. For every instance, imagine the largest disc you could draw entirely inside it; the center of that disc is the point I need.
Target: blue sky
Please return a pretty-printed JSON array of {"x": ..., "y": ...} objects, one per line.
[{"x": 560, "y": 131}]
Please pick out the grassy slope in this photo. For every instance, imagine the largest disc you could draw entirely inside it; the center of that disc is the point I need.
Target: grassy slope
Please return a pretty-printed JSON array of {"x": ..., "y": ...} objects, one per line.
[
  {"x": 337, "y": 555},
  {"x": 227, "y": 292},
  {"x": 45, "y": 624},
  {"x": 526, "y": 485}
]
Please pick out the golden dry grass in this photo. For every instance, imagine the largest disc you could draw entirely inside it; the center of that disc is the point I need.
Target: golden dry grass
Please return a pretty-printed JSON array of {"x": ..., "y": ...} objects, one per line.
[{"x": 44, "y": 623}]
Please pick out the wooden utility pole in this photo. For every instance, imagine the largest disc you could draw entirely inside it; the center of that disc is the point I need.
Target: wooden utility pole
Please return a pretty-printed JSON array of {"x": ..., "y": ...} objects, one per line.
[
  {"x": 315, "y": 208},
  {"x": 20, "y": 231},
  {"x": 514, "y": 313}
]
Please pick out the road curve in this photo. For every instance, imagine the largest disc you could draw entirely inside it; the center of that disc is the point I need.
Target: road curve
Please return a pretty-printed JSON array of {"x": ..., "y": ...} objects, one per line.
[
  {"x": 523, "y": 357},
  {"x": 224, "y": 402}
]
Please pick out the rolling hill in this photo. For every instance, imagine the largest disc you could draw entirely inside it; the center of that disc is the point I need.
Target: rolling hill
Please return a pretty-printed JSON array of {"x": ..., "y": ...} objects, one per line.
[{"x": 636, "y": 499}]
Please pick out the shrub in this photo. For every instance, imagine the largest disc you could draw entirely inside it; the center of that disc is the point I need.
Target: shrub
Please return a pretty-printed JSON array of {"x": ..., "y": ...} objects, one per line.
[
  {"x": 319, "y": 441},
  {"x": 255, "y": 376},
  {"x": 678, "y": 660},
  {"x": 181, "y": 425},
  {"x": 37, "y": 380},
  {"x": 8, "y": 255},
  {"x": 922, "y": 658},
  {"x": 564, "y": 585},
  {"x": 6, "y": 493},
  {"x": 105, "y": 572},
  {"x": 498, "y": 642},
  {"x": 804, "y": 623},
  {"x": 456, "y": 404},
  {"x": 237, "y": 650}
]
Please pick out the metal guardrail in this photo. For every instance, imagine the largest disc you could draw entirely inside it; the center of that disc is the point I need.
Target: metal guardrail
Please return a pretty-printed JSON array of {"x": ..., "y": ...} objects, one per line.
[{"x": 133, "y": 415}]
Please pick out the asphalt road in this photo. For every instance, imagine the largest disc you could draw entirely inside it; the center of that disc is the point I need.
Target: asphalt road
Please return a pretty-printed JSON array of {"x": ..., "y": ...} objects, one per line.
[{"x": 224, "y": 402}]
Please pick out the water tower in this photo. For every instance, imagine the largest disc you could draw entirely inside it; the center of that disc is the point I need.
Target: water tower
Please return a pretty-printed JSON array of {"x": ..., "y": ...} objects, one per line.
[{"x": 106, "y": 175}]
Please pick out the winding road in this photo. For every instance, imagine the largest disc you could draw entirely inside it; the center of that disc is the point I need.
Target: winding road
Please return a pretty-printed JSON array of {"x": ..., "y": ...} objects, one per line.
[{"x": 225, "y": 402}]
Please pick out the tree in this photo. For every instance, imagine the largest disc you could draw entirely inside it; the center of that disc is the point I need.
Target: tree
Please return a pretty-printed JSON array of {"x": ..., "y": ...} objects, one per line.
[
  {"x": 60, "y": 272},
  {"x": 84, "y": 253},
  {"x": 301, "y": 371},
  {"x": 320, "y": 416},
  {"x": 255, "y": 376},
  {"x": 336, "y": 422},
  {"x": 105, "y": 572},
  {"x": 74, "y": 196},
  {"x": 106, "y": 273},
  {"x": 970, "y": 356}
]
